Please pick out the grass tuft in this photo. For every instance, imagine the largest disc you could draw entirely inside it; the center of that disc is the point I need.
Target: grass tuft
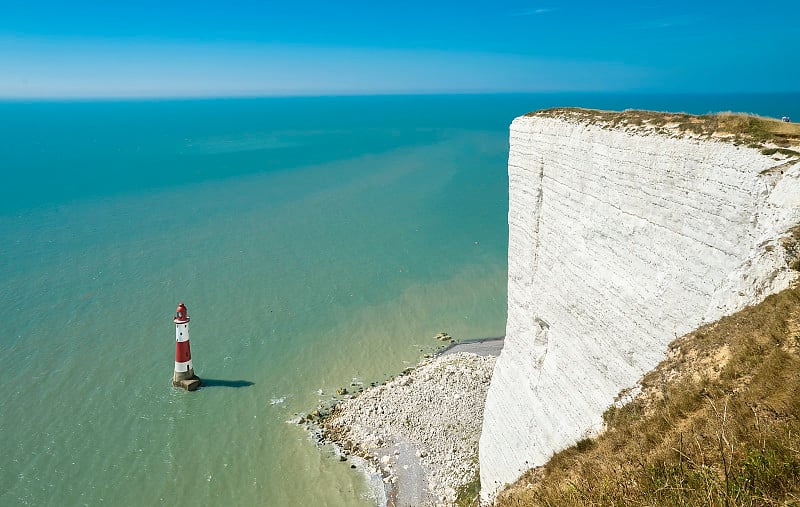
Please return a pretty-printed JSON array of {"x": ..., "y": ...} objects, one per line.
[{"x": 468, "y": 495}]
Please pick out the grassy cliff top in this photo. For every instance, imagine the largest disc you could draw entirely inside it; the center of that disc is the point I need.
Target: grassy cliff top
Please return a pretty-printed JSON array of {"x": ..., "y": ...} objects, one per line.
[{"x": 769, "y": 135}]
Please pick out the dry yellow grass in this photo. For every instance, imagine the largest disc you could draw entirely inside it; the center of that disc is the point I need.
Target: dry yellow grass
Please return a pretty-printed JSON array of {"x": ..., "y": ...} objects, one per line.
[
  {"x": 717, "y": 423},
  {"x": 768, "y": 134}
]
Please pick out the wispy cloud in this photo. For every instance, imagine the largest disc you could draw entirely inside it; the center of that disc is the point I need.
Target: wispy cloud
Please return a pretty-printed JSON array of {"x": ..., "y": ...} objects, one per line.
[
  {"x": 660, "y": 24},
  {"x": 534, "y": 12}
]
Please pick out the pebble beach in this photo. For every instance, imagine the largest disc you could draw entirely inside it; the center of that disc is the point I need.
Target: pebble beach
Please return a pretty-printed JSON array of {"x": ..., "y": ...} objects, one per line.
[{"x": 418, "y": 433}]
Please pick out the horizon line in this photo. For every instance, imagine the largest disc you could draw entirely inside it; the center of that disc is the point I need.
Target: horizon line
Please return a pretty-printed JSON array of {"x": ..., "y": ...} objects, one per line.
[{"x": 144, "y": 98}]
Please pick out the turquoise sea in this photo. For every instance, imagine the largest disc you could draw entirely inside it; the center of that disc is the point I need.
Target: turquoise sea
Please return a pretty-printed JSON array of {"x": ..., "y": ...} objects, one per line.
[{"x": 316, "y": 242}]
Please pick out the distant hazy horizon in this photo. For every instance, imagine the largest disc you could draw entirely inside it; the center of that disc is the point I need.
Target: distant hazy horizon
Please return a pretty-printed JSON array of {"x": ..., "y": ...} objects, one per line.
[
  {"x": 637, "y": 96},
  {"x": 204, "y": 49}
]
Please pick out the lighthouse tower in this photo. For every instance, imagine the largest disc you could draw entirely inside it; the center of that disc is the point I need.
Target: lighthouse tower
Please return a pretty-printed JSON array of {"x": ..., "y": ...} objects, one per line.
[{"x": 184, "y": 373}]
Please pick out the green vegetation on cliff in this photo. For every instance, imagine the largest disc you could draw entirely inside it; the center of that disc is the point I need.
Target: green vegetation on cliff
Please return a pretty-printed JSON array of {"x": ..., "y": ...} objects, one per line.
[
  {"x": 769, "y": 135},
  {"x": 717, "y": 423}
]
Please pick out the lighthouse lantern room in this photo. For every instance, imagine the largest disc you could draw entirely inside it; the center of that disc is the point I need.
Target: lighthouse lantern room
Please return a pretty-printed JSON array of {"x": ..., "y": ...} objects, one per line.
[{"x": 184, "y": 376}]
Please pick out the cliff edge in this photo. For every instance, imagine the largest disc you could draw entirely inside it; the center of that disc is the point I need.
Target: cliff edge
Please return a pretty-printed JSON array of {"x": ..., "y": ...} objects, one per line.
[{"x": 626, "y": 230}]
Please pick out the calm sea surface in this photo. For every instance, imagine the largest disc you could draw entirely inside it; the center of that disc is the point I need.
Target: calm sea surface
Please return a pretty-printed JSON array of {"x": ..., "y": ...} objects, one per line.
[{"x": 315, "y": 241}]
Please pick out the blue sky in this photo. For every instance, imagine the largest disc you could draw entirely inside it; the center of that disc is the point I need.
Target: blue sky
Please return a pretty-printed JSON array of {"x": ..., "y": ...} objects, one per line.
[{"x": 238, "y": 48}]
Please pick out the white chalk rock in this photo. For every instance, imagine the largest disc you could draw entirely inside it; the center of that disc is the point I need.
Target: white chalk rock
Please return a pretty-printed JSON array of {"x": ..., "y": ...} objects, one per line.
[{"x": 619, "y": 242}]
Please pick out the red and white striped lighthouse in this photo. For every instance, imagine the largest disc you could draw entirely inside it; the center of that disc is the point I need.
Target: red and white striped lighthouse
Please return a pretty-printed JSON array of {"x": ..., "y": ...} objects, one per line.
[{"x": 184, "y": 373}]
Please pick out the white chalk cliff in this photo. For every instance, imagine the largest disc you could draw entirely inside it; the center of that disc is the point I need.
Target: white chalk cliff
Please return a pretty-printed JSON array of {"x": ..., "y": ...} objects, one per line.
[{"x": 620, "y": 240}]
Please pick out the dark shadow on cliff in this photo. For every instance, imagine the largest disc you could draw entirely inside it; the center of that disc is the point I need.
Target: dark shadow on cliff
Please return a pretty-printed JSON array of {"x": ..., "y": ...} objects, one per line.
[{"x": 213, "y": 382}]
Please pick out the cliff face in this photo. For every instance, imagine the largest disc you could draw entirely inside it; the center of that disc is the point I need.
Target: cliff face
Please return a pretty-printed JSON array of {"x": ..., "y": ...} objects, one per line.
[{"x": 620, "y": 240}]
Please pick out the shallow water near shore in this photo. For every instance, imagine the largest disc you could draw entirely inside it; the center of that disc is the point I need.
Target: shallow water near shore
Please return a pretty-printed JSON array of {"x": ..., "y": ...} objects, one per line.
[{"x": 315, "y": 242}]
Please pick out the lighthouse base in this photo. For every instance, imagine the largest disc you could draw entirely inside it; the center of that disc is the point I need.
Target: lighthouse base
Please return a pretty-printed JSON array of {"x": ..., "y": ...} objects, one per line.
[
  {"x": 189, "y": 385},
  {"x": 186, "y": 380}
]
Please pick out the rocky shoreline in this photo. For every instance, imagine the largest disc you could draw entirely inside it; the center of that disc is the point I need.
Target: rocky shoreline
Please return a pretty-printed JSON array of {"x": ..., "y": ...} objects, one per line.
[{"x": 419, "y": 431}]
